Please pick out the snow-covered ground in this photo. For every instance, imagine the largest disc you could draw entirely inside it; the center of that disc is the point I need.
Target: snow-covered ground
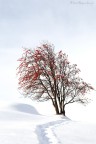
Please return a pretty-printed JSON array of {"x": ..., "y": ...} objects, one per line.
[{"x": 21, "y": 123}]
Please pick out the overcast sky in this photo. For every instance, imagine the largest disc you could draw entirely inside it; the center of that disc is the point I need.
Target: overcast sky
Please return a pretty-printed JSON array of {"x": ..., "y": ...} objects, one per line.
[{"x": 69, "y": 24}]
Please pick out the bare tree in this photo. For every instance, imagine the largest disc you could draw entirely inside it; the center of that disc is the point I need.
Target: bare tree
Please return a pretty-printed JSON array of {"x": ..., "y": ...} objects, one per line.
[{"x": 44, "y": 75}]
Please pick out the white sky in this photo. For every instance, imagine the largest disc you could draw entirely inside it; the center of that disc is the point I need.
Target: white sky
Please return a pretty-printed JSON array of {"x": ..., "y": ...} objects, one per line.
[{"x": 68, "y": 24}]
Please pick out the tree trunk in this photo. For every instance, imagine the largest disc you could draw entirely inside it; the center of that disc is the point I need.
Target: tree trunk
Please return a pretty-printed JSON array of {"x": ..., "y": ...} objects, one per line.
[
  {"x": 63, "y": 112},
  {"x": 56, "y": 107},
  {"x": 59, "y": 109},
  {"x": 62, "y": 108},
  {"x": 59, "y": 112}
]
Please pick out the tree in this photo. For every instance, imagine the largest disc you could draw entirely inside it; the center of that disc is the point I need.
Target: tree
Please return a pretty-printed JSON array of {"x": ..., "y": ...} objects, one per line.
[{"x": 44, "y": 75}]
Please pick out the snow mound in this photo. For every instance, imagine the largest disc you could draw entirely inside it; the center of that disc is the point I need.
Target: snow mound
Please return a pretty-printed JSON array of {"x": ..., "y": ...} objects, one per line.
[
  {"x": 18, "y": 112},
  {"x": 25, "y": 108}
]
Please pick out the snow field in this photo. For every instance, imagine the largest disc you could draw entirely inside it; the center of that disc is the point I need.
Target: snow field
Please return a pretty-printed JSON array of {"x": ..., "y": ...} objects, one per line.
[
  {"x": 22, "y": 124},
  {"x": 75, "y": 132}
]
